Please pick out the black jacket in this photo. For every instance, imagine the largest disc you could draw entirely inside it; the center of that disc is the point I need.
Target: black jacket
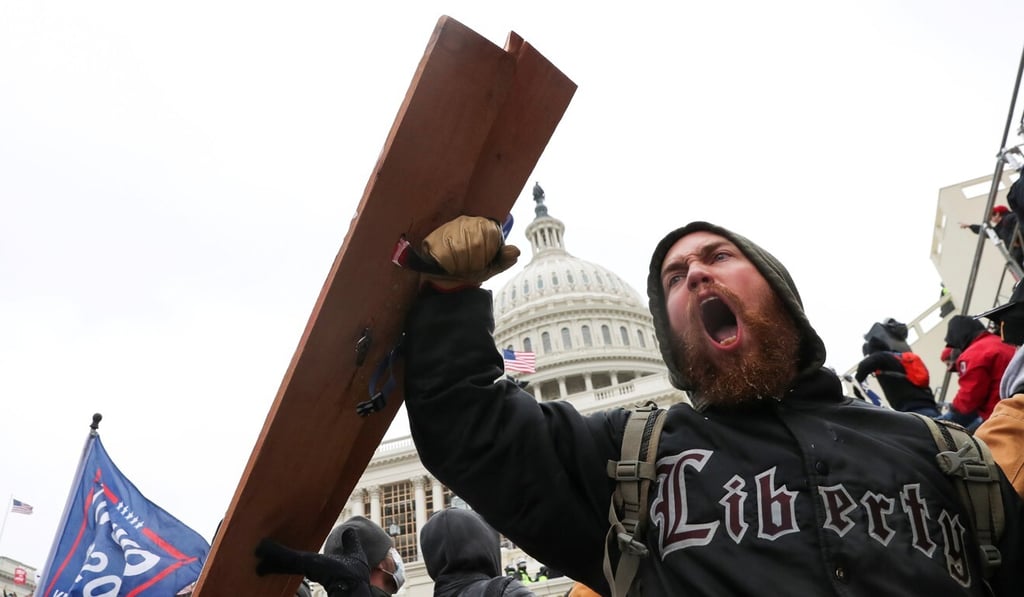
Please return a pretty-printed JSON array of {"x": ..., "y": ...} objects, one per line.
[
  {"x": 892, "y": 376},
  {"x": 817, "y": 494},
  {"x": 463, "y": 556}
]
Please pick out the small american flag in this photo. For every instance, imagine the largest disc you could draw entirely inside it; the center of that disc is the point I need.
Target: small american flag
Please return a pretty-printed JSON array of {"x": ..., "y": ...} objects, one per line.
[
  {"x": 21, "y": 507},
  {"x": 523, "y": 362}
]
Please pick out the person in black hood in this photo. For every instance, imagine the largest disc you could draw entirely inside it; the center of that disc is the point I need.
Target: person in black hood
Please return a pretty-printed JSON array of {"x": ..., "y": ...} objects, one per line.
[
  {"x": 772, "y": 481},
  {"x": 962, "y": 330},
  {"x": 902, "y": 375},
  {"x": 463, "y": 556}
]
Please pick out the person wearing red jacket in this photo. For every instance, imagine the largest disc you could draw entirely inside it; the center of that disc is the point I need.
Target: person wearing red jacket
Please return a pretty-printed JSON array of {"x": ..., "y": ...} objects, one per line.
[{"x": 982, "y": 361}]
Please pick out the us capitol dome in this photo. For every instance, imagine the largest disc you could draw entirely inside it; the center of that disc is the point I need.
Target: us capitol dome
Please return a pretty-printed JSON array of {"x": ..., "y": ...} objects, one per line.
[
  {"x": 595, "y": 348},
  {"x": 592, "y": 333}
]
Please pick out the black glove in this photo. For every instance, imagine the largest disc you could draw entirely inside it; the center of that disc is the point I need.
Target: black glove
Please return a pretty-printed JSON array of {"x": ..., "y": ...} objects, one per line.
[
  {"x": 875, "y": 362},
  {"x": 345, "y": 575},
  {"x": 865, "y": 368}
]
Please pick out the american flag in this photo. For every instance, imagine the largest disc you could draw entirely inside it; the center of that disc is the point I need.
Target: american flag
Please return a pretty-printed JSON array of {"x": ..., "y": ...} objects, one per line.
[
  {"x": 523, "y": 362},
  {"x": 21, "y": 507}
]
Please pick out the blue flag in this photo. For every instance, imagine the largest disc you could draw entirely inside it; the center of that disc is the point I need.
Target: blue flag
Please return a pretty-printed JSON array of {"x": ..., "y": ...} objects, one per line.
[{"x": 112, "y": 541}]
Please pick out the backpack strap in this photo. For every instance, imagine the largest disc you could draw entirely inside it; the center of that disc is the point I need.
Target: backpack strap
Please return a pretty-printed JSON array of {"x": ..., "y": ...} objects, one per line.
[
  {"x": 969, "y": 462},
  {"x": 627, "y": 511},
  {"x": 496, "y": 587}
]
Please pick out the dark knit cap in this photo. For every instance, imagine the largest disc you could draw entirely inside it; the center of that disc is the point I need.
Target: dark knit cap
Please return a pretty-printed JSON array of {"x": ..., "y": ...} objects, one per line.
[
  {"x": 962, "y": 330},
  {"x": 812, "y": 349},
  {"x": 376, "y": 543}
]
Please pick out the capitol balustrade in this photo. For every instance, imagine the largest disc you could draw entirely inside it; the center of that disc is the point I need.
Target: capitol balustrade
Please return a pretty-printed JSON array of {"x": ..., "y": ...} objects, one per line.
[
  {"x": 394, "y": 446},
  {"x": 628, "y": 392}
]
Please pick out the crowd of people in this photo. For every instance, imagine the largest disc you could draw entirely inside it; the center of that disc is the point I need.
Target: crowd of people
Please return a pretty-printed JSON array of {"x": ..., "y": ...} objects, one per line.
[
  {"x": 771, "y": 480},
  {"x": 978, "y": 354}
]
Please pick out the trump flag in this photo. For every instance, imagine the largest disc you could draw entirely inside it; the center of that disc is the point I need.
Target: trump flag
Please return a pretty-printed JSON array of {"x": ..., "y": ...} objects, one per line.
[{"x": 113, "y": 541}]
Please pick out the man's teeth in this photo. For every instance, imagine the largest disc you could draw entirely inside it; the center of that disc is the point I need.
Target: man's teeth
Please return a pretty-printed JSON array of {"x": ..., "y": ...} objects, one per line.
[{"x": 728, "y": 341}]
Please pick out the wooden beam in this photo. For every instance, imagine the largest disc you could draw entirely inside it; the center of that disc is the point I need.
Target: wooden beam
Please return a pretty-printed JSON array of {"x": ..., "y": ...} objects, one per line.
[{"x": 473, "y": 124}]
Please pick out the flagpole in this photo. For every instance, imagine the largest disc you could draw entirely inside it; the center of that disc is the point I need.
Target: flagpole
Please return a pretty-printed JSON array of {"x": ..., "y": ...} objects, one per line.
[
  {"x": 7, "y": 512},
  {"x": 94, "y": 433}
]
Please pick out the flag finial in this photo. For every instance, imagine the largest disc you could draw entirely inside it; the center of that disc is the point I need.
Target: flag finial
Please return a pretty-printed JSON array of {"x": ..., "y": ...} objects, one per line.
[{"x": 96, "y": 418}]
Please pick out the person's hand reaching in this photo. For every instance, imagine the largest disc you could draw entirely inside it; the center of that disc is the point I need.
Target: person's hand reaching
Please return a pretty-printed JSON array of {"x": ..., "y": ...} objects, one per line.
[{"x": 345, "y": 575}]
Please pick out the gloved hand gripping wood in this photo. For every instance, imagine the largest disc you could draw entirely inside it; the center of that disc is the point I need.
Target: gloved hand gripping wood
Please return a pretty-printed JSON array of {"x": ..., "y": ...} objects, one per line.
[
  {"x": 344, "y": 575},
  {"x": 470, "y": 249}
]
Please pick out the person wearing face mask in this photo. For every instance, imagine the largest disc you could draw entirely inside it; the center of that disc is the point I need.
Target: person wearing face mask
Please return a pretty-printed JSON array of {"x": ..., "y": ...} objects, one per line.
[
  {"x": 359, "y": 560},
  {"x": 387, "y": 572}
]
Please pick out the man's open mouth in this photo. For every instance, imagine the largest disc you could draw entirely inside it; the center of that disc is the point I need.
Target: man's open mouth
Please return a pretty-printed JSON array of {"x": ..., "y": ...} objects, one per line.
[{"x": 719, "y": 320}]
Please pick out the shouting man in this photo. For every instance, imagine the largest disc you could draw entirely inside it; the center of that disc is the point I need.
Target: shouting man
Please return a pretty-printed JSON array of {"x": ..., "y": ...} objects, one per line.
[{"x": 772, "y": 482}]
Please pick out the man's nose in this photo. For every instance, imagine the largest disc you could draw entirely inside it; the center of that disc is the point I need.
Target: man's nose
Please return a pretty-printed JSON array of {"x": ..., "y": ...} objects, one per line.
[{"x": 697, "y": 275}]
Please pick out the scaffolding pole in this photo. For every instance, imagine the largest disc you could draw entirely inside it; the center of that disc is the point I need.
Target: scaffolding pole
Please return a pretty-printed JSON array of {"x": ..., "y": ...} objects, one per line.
[{"x": 993, "y": 190}]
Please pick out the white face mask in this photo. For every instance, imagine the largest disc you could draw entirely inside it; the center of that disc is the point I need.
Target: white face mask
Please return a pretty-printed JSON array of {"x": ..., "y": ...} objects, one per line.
[{"x": 399, "y": 574}]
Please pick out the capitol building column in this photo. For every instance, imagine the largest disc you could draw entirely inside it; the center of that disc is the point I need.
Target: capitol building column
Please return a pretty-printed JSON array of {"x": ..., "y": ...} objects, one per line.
[
  {"x": 438, "y": 494},
  {"x": 420, "y": 499},
  {"x": 354, "y": 507},
  {"x": 375, "y": 504}
]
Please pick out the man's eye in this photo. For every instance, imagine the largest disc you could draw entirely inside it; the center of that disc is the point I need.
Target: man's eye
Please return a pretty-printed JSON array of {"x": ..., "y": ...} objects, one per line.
[
  {"x": 721, "y": 256},
  {"x": 671, "y": 280}
]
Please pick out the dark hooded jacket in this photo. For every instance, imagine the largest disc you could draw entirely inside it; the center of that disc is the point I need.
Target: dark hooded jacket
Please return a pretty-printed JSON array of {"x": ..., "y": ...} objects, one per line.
[
  {"x": 902, "y": 393},
  {"x": 812, "y": 493},
  {"x": 885, "y": 356},
  {"x": 463, "y": 556}
]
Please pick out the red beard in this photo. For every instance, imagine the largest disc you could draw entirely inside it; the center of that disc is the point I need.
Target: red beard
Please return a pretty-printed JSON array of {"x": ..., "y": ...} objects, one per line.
[{"x": 764, "y": 368}]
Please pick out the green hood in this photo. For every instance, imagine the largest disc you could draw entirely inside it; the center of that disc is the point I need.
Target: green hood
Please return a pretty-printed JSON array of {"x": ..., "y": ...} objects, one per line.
[{"x": 812, "y": 349}]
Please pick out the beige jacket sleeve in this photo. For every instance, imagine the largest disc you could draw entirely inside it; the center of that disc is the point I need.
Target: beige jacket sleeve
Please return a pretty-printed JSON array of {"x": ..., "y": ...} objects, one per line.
[{"x": 1004, "y": 434}]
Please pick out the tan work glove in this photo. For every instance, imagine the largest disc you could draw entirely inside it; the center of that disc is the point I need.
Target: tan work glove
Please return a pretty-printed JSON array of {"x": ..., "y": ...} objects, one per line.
[{"x": 470, "y": 249}]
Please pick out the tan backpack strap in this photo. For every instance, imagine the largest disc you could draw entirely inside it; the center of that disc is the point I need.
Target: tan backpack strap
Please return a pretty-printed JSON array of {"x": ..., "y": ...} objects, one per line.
[
  {"x": 969, "y": 462},
  {"x": 627, "y": 510}
]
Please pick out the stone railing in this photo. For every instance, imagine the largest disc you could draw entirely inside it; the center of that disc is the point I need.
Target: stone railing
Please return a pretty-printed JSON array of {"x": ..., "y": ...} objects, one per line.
[
  {"x": 399, "y": 444},
  {"x": 623, "y": 389}
]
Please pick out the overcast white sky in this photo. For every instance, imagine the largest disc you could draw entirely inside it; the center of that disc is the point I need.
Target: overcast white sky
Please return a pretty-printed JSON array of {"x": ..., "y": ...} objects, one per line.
[{"x": 176, "y": 180}]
